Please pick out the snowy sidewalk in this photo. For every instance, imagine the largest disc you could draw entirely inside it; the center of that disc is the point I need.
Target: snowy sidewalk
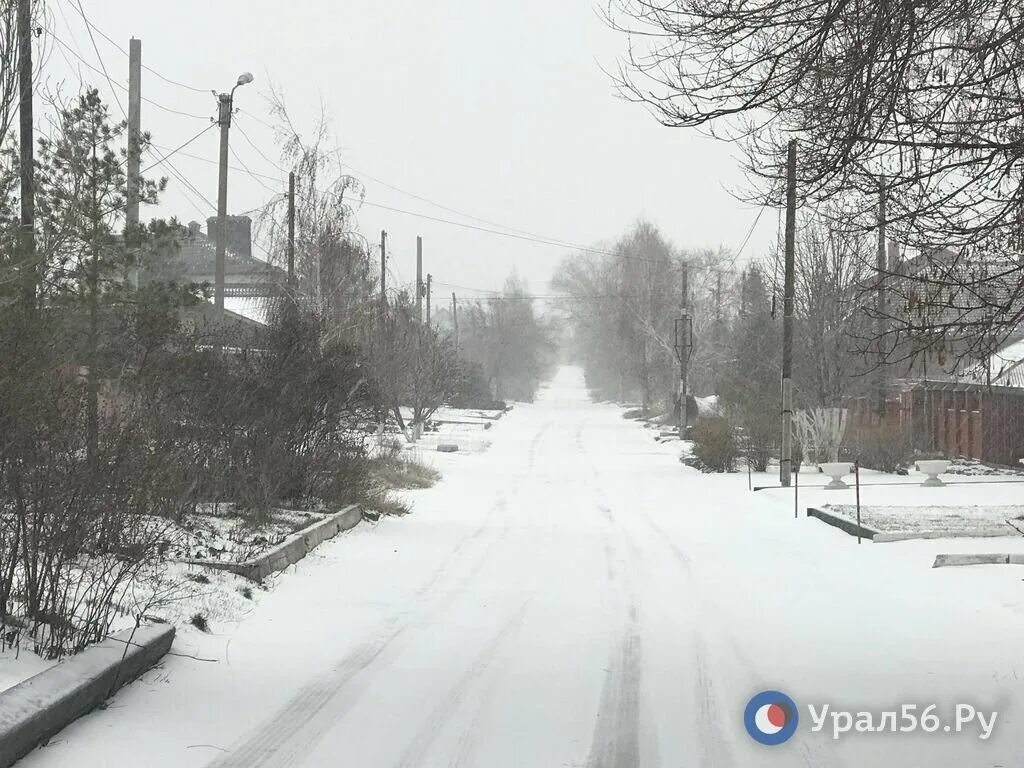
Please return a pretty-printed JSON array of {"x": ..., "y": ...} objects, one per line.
[{"x": 574, "y": 596}]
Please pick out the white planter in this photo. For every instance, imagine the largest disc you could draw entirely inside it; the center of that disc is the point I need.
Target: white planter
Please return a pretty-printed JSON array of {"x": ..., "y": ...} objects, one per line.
[
  {"x": 933, "y": 468},
  {"x": 836, "y": 470}
]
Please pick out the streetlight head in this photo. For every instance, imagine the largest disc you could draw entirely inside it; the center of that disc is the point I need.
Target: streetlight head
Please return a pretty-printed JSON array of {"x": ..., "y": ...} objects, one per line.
[{"x": 244, "y": 79}]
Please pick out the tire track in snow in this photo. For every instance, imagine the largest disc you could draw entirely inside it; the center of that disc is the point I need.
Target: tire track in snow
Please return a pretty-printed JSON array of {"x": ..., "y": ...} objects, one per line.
[
  {"x": 715, "y": 746},
  {"x": 616, "y": 738},
  {"x": 293, "y": 731},
  {"x": 416, "y": 752},
  {"x": 616, "y": 741}
]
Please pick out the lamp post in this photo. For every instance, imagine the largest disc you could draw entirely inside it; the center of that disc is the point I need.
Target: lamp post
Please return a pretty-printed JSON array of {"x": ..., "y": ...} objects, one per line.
[{"x": 225, "y": 102}]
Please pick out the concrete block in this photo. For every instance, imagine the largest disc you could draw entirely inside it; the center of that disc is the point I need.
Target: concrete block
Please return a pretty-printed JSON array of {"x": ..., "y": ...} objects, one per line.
[
  {"x": 843, "y": 524},
  {"x": 942, "y": 561},
  {"x": 292, "y": 549},
  {"x": 36, "y": 709}
]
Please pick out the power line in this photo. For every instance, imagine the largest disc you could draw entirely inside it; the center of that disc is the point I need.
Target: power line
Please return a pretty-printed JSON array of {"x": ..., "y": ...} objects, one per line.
[
  {"x": 257, "y": 119},
  {"x": 248, "y": 171},
  {"x": 116, "y": 84},
  {"x": 103, "y": 66},
  {"x": 447, "y": 208},
  {"x": 114, "y": 43},
  {"x": 258, "y": 150},
  {"x": 232, "y": 167},
  {"x": 173, "y": 152}
]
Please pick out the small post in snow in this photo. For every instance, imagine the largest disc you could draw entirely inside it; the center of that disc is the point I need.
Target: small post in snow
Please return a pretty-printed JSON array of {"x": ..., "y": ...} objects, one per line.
[
  {"x": 796, "y": 495},
  {"x": 750, "y": 481},
  {"x": 856, "y": 475}
]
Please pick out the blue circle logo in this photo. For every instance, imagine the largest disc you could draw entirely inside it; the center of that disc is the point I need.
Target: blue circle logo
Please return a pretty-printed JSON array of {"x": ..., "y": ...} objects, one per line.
[{"x": 771, "y": 718}]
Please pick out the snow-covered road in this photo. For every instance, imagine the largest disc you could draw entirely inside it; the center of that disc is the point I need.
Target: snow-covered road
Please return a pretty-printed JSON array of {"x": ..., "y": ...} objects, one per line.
[{"x": 575, "y": 597}]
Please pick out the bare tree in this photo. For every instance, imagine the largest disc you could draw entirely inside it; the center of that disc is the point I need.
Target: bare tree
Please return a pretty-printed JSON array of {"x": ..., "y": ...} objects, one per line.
[{"x": 922, "y": 100}]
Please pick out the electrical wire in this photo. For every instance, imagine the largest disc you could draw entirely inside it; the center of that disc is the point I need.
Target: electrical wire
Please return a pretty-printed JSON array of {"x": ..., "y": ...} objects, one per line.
[
  {"x": 116, "y": 84},
  {"x": 99, "y": 58},
  {"x": 258, "y": 150},
  {"x": 248, "y": 171},
  {"x": 114, "y": 43}
]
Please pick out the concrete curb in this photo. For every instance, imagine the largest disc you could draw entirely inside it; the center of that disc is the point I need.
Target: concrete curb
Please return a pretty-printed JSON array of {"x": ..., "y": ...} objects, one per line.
[
  {"x": 847, "y": 526},
  {"x": 942, "y": 561},
  {"x": 908, "y": 535},
  {"x": 292, "y": 549},
  {"x": 36, "y": 709}
]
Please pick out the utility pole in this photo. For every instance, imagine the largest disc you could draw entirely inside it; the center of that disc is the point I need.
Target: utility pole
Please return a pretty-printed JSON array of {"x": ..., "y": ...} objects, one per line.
[
  {"x": 27, "y": 271},
  {"x": 684, "y": 349},
  {"x": 419, "y": 279},
  {"x": 134, "y": 146},
  {"x": 291, "y": 230},
  {"x": 383, "y": 272},
  {"x": 786, "y": 464},
  {"x": 455, "y": 323},
  {"x": 430, "y": 279},
  {"x": 225, "y": 103},
  {"x": 880, "y": 308},
  {"x": 224, "y": 121}
]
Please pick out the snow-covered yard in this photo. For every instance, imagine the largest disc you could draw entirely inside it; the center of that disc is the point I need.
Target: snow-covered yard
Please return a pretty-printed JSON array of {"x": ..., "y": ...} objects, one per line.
[{"x": 979, "y": 520}]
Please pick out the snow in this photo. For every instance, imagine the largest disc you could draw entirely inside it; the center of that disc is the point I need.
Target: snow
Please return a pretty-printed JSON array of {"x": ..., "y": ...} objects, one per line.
[
  {"x": 576, "y": 596},
  {"x": 970, "y": 521}
]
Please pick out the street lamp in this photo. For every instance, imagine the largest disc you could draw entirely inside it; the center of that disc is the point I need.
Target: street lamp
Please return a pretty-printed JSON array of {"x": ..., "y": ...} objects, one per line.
[{"x": 225, "y": 103}]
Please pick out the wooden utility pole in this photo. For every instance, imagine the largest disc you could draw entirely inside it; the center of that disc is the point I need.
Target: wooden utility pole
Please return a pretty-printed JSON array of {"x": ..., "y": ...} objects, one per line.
[
  {"x": 430, "y": 280},
  {"x": 224, "y": 121},
  {"x": 455, "y": 323},
  {"x": 291, "y": 230},
  {"x": 27, "y": 269},
  {"x": 419, "y": 279},
  {"x": 786, "y": 464},
  {"x": 134, "y": 147},
  {"x": 383, "y": 272},
  {"x": 880, "y": 307},
  {"x": 684, "y": 349}
]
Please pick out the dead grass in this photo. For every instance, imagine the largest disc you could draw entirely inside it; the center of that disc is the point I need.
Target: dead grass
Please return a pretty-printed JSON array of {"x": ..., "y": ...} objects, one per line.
[{"x": 402, "y": 472}]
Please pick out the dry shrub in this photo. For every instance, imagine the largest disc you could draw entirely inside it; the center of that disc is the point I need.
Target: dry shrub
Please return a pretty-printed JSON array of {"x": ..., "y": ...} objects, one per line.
[
  {"x": 715, "y": 444},
  {"x": 885, "y": 447}
]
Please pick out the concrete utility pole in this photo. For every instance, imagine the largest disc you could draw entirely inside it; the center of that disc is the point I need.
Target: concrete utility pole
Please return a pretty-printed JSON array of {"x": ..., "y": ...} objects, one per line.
[
  {"x": 880, "y": 307},
  {"x": 684, "y": 349},
  {"x": 786, "y": 464},
  {"x": 383, "y": 272},
  {"x": 134, "y": 132},
  {"x": 291, "y": 230},
  {"x": 27, "y": 269},
  {"x": 419, "y": 279},
  {"x": 225, "y": 103},
  {"x": 430, "y": 279},
  {"x": 455, "y": 323}
]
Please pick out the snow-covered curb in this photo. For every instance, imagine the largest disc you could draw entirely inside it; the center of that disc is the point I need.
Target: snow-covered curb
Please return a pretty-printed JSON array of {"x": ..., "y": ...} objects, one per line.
[
  {"x": 843, "y": 524},
  {"x": 293, "y": 549},
  {"x": 993, "y": 559},
  {"x": 907, "y": 535},
  {"x": 36, "y": 709}
]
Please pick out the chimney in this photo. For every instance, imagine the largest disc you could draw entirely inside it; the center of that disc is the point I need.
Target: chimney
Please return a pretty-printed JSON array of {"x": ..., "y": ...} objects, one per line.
[
  {"x": 894, "y": 256},
  {"x": 239, "y": 235}
]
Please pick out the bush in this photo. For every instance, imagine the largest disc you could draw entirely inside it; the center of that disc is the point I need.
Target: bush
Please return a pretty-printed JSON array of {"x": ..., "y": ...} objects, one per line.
[
  {"x": 884, "y": 447},
  {"x": 715, "y": 444},
  {"x": 760, "y": 438}
]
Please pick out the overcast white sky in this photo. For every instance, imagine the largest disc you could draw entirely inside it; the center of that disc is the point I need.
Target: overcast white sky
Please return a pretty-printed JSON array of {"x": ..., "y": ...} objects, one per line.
[{"x": 499, "y": 110}]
